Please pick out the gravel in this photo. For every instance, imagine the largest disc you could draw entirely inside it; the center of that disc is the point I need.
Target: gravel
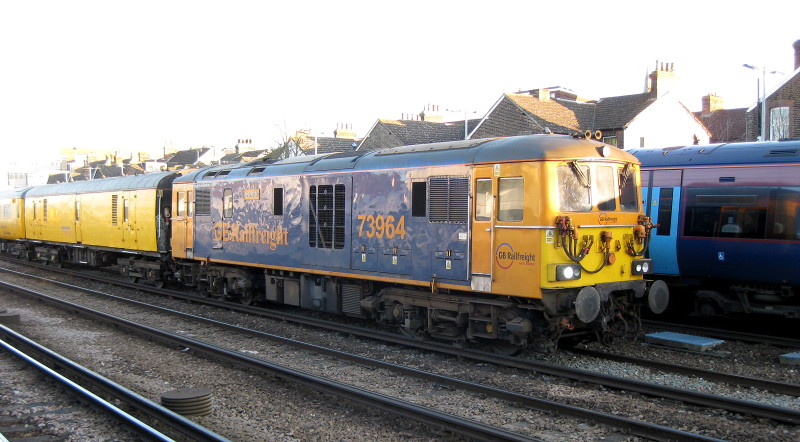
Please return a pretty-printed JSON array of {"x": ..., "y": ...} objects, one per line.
[{"x": 249, "y": 406}]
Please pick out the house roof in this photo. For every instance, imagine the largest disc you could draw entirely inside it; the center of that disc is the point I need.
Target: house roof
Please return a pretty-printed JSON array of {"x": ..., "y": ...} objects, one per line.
[
  {"x": 617, "y": 112},
  {"x": 568, "y": 116},
  {"x": 725, "y": 125},
  {"x": 421, "y": 132},
  {"x": 185, "y": 157}
]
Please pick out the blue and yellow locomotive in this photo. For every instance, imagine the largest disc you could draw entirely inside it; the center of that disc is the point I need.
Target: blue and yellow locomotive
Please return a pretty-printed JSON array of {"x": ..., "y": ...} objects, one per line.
[{"x": 513, "y": 242}]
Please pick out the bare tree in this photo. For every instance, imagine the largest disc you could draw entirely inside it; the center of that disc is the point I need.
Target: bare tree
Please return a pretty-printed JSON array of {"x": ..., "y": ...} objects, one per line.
[{"x": 291, "y": 144}]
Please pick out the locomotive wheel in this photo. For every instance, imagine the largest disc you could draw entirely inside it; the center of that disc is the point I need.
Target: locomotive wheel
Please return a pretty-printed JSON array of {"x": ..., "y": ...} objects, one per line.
[
  {"x": 246, "y": 298},
  {"x": 505, "y": 348},
  {"x": 133, "y": 279},
  {"x": 159, "y": 283}
]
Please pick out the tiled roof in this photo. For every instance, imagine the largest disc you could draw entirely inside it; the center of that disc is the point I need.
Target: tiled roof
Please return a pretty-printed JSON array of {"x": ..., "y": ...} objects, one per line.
[
  {"x": 617, "y": 112},
  {"x": 568, "y": 116},
  {"x": 185, "y": 157},
  {"x": 330, "y": 145},
  {"x": 725, "y": 125},
  {"x": 557, "y": 115},
  {"x": 420, "y": 132}
]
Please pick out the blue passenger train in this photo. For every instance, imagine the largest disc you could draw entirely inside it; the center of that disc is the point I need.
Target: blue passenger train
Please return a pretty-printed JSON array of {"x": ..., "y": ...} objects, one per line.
[{"x": 727, "y": 224}]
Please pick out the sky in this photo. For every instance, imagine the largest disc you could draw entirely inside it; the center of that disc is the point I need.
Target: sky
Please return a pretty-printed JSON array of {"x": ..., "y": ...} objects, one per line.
[{"x": 136, "y": 76}]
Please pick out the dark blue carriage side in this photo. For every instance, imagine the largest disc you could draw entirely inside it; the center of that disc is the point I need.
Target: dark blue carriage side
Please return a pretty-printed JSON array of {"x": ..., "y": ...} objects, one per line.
[{"x": 731, "y": 214}]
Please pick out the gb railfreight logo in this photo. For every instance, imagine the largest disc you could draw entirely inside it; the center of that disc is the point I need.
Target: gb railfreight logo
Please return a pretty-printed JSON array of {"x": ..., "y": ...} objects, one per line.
[{"x": 506, "y": 257}]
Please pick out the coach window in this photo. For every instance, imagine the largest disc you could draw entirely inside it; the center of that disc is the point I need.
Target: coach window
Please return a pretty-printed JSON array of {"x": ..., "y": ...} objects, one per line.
[
  {"x": 665, "y": 212},
  {"x": 277, "y": 201},
  {"x": 227, "y": 203},
  {"x": 510, "y": 199},
  {"x": 189, "y": 204},
  {"x": 181, "y": 204},
  {"x": 483, "y": 200}
]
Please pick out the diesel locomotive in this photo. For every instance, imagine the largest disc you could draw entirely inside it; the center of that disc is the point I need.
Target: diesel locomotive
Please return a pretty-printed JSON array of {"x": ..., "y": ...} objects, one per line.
[
  {"x": 512, "y": 242},
  {"x": 728, "y": 225}
]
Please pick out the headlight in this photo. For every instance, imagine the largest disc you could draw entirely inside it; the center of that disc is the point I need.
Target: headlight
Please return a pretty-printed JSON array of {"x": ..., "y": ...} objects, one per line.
[
  {"x": 641, "y": 266},
  {"x": 563, "y": 272}
]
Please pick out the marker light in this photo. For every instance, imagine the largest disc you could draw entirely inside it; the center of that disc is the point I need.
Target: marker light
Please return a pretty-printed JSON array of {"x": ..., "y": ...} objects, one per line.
[
  {"x": 563, "y": 272},
  {"x": 641, "y": 266}
]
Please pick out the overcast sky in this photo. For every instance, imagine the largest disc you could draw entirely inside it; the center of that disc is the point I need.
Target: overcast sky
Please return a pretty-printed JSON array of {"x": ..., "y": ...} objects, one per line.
[{"x": 137, "y": 75}]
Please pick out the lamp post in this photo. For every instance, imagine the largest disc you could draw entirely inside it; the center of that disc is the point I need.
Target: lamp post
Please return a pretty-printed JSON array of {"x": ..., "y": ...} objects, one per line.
[{"x": 763, "y": 97}]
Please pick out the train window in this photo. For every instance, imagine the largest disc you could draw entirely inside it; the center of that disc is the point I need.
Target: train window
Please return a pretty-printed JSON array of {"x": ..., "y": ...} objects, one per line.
[
  {"x": 628, "y": 194},
  {"x": 510, "y": 199},
  {"x": 189, "y": 204},
  {"x": 449, "y": 200},
  {"x": 277, "y": 201},
  {"x": 665, "y": 211},
  {"x": 605, "y": 185},
  {"x": 483, "y": 199},
  {"x": 77, "y": 210},
  {"x": 419, "y": 198},
  {"x": 784, "y": 208},
  {"x": 125, "y": 210},
  {"x": 574, "y": 188},
  {"x": 6, "y": 211},
  {"x": 227, "y": 203},
  {"x": 181, "y": 206}
]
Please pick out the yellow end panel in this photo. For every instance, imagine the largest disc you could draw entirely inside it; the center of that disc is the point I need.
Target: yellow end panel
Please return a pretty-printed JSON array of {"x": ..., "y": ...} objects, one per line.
[
  {"x": 12, "y": 224},
  {"x": 51, "y": 218},
  {"x": 119, "y": 219},
  {"x": 619, "y": 270}
]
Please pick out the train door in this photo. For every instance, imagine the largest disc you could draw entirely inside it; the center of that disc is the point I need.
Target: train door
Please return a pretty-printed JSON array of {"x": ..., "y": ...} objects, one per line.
[
  {"x": 129, "y": 236},
  {"x": 179, "y": 220},
  {"x": 78, "y": 230},
  {"x": 189, "y": 224},
  {"x": 483, "y": 230},
  {"x": 662, "y": 200}
]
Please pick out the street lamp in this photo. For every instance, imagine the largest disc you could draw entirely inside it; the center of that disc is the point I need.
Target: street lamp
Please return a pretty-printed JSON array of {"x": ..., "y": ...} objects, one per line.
[{"x": 763, "y": 97}]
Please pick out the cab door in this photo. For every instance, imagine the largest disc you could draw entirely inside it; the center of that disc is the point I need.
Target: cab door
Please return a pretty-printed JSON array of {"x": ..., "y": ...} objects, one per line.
[
  {"x": 179, "y": 220},
  {"x": 78, "y": 231},
  {"x": 483, "y": 229},
  {"x": 129, "y": 236},
  {"x": 189, "y": 224}
]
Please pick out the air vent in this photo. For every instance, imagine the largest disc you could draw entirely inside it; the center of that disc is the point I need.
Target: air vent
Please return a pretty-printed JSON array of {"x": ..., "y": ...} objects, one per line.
[
  {"x": 223, "y": 173},
  {"x": 202, "y": 201},
  {"x": 256, "y": 170},
  {"x": 782, "y": 153},
  {"x": 210, "y": 174}
]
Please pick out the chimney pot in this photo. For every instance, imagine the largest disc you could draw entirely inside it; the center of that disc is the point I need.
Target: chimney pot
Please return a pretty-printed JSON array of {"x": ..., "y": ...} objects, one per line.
[{"x": 796, "y": 54}]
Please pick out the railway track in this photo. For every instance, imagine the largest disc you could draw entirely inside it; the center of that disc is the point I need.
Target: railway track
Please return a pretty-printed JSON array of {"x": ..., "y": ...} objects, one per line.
[
  {"x": 89, "y": 388},
  {"x": 688, "y": 396},
  {"x": 707, "y": 400}
]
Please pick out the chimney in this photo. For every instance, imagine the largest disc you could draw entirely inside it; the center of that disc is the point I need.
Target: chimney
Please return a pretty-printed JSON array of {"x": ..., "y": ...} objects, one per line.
[
  {"x": 344, "y": 131},
  {"x": 796, "y": 54},
  {"x": 543, "y": 94},
  {"x": 711, "y": 103},
  {"x": 431, "y": 113},
  {"x": 662, "y": 79}
]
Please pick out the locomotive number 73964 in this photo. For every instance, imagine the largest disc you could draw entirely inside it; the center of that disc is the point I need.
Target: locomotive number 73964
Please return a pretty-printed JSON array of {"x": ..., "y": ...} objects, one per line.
[{"x": 380, "y": 226}]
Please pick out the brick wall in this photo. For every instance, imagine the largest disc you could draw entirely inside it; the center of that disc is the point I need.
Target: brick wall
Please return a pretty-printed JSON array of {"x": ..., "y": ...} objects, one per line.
[{"x": 788, "y": 95}]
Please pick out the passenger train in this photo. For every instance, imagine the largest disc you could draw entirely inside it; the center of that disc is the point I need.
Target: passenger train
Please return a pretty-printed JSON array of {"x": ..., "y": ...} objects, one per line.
[
  {"x": 728, "y": 231},
  {"x": 512, "y": 242}
]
